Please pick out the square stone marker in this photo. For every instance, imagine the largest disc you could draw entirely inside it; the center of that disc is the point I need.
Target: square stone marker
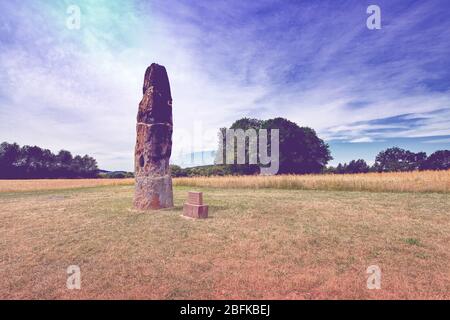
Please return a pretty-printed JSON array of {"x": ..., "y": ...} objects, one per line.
[
  {"x": 195, "y": 198},
  {"x": 194, "y": 208}
]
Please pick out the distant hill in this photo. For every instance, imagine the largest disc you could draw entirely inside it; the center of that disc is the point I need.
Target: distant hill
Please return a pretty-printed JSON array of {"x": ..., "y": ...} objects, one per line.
[
  {"x": 194, "y": 159},
  {"x": 115, "y": 174}
]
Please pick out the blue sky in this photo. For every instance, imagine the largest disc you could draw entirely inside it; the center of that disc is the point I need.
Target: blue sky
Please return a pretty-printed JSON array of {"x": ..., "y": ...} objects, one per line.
[{"x": 313, "y": 62}]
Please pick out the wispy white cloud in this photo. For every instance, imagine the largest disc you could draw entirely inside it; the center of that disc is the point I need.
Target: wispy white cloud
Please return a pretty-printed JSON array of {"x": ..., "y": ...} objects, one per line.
[
  {"x": 361, "y": 140},
  {"x": 438, "y": 141}
]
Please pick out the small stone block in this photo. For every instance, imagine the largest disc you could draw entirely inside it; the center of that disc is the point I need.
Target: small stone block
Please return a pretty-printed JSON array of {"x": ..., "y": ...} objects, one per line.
[
  {"x": 195, "y": 198},
  {"x": 195, "y": 211}
]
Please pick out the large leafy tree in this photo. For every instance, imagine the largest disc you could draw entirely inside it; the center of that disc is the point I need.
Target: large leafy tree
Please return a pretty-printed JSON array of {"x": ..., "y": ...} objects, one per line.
[
  {"x": 36, "y": 162},
  {"x": 358, "y": 166},
  {"x": 63, "y": 161},
  {"x": 439, "y": 160},
  {"x": 246, "y": 124},
  {"x": 9, "y": 154},
  {"x": 301, "y": 150},
  {"x": 397, "y": 159}
]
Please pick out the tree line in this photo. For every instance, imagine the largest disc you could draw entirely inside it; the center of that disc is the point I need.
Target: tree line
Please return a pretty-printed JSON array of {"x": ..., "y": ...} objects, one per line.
[
  {"x": 33, "y": 162},
  {"x": 303, "y": 152},
  {"x": 396, "y": 160}
]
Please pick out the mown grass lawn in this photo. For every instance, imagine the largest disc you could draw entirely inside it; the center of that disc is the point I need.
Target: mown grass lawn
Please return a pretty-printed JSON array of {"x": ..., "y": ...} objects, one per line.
[{"x": 268, "y": 243}]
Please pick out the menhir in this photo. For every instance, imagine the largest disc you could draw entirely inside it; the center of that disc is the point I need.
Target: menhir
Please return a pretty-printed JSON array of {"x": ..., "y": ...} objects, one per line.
[{"x": 153, "y": 189}]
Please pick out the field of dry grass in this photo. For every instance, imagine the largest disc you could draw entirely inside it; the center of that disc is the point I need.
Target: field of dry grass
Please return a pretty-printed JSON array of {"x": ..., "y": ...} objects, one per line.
[
  {"x": 266, "y": 243},
  {"x": 53, "y": 184},
  {"x": 423, "y": 181}
]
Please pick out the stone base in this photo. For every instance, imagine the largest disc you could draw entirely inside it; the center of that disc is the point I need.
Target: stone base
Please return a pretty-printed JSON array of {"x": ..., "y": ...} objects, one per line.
[
  {"x": 195, "y": 211},
  {"x": 153, "y": 193}
]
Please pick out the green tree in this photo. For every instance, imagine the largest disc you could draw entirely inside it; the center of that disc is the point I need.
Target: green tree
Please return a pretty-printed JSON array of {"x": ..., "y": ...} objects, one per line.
[
  {"x": 341, "y": 168},
  {"x": 397, "y": 159},
  {"x": 88, "y": 167},
  {"x": 177, "y": 171},
  {"x": 301, "y": 151},
  {"x": 32, "y": 162},
  {"x": 246, "y": 124},
  {"x": 9, "y": 154},
  {"x": 357, "y": 166},
  {"x": 439, "y": 160}
]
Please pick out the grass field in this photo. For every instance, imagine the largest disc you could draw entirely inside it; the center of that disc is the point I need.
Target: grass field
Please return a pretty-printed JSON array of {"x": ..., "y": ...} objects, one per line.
[
  {"x": 423, "y": 181},
  {"x": 257, "y": 243},
  {"x": 58, "y": 184}
]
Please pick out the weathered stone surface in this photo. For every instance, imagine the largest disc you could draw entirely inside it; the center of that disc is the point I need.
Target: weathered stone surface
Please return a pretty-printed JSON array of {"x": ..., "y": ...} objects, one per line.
[
  {"x": 154, "y": 143},
  {"x": 150, "y": 110},
  {"x": 153, "y": 192},
  {"x": 153, "y": 188}
]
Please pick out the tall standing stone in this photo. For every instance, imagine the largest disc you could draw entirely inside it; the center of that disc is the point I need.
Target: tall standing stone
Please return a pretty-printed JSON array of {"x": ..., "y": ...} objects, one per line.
[{"x": 153, "y": 189}]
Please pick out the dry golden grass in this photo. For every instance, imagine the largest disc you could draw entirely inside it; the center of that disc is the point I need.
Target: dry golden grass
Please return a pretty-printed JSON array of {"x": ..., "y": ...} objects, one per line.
[
  {"x": 423, "y": 181},
  {"x": 52, "y": 184},
  {"x": 257, "y": 244}
]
